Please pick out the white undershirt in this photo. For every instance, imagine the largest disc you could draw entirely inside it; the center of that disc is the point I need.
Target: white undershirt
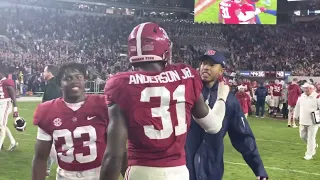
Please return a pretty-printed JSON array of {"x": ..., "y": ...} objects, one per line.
[{"x": 42, "y": 135}]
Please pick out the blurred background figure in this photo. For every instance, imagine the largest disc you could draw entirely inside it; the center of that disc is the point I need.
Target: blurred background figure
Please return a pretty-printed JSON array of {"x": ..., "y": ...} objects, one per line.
[
  {"x": 261, "y": 93},
  {"x": 284, "y": 100},
  {"x": 294, "y": 93},
  {"x": 244, "y": 100}
]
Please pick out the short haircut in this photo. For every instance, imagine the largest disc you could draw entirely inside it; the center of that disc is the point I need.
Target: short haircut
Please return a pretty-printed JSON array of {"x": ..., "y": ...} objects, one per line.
[
  {"x": 53, "y": 69},
  {"x": 72, "y": 66}
]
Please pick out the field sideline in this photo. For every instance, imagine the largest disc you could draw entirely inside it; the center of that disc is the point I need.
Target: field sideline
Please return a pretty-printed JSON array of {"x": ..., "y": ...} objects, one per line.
[
  {"x": 280, "y": 148},
  {"x": 210, "y": 13}
]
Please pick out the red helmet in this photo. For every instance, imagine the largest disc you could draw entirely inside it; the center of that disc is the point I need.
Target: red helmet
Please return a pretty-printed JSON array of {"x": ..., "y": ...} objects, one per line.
[{"x": 149, "y": 42}]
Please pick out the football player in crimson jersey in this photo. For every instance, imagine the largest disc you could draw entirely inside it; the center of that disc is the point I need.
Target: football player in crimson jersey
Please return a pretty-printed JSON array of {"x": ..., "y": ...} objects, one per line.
[
  {"x": 7, "y": 99},
  {"x": 232, "y": 13},
  {"x": 151, "y": 107},
  {"x": 76, "y": 124},
  {"x": 276, "y": 96}
]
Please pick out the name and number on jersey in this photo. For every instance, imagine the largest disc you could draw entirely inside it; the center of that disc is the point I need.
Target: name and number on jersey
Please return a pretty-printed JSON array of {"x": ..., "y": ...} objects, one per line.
[{"x": 159, "y": 106}]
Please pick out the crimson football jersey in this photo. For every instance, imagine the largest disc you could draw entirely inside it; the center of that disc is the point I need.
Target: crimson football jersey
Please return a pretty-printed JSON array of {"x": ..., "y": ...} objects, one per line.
[
  {"x": 4, "y": 84},
  {"x": 228, "y": 12},
  {"x": 245, "y": 8},
  {"x": 277, "y": 89},
  {"x": 78, "y": 136},
  {"x": 158, "y": 106}
]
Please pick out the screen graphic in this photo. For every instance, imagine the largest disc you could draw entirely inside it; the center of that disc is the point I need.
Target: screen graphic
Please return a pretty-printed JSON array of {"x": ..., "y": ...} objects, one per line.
[{"x": 236, "y": 11}]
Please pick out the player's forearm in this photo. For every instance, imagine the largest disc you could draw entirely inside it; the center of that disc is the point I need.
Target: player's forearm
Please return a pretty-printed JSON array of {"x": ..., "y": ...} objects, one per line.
[
  {"x": 111, "y": 166},
  {"x": 39, "y": 168},
  {"x": 212, "y": 123}
]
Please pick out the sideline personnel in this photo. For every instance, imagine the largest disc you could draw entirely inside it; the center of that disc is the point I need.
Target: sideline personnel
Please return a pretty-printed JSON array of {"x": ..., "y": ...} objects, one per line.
[
  {"x": 204, "y": 152},
  {"x": 52, "y": 91},
  {"x": 306, "y": 104}
]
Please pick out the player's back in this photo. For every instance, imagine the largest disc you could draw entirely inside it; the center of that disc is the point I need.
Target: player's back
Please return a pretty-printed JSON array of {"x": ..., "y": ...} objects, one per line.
[
  {"x": 228, "y": 11},
  {"x": 4, "y": 93},
  {"x": 158, "y": 106}
]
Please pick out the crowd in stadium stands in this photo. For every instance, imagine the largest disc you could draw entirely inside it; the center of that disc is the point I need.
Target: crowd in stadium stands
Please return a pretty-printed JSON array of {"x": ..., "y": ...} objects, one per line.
[{"x": 36, "y": 37}]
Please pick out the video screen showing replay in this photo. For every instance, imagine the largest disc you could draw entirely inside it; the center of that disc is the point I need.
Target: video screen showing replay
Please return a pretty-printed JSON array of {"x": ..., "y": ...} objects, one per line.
[{"x": 236, "y": 11}]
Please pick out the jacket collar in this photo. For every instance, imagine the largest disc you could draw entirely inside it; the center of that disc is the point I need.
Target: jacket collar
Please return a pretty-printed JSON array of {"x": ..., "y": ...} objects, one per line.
[{"x": 213, "y": 88}]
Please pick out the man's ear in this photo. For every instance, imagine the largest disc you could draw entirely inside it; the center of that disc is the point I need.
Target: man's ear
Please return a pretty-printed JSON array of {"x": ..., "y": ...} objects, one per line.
[{"x": 221, "y": 70}]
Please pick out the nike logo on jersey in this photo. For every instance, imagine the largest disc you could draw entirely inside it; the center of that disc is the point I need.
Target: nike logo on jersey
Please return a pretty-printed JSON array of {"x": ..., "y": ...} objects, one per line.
[{"x": 90, "y": 118}]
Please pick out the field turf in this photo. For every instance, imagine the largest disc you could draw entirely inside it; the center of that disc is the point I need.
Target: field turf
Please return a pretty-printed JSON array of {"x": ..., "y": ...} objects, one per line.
[
  {"x": 210, "y": 14},
  {"x": 280, "y": 147}
]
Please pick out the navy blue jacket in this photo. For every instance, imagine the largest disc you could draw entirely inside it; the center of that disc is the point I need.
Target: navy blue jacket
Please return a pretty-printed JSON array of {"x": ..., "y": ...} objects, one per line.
[
  {"x": 205, "y": 151},
  {"x": 261, "y": 93}
]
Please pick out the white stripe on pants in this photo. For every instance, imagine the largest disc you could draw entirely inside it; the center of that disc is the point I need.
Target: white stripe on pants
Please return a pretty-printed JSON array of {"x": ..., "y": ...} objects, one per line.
[
  {"x": 308, "y": 135},
  {"x": 5, "y": 110}
]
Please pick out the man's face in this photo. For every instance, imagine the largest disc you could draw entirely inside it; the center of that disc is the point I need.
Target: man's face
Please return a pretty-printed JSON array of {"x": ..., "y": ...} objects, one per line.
[
  {"x": 73, "y": 84},
  {"x": 46, "y": 74},
  {"x": 210, "y": 72},
  {"x": 308, "y": 90}
]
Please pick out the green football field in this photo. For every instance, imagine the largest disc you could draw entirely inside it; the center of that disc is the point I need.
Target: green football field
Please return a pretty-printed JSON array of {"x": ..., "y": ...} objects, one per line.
[
  {"x": 210, "y": 14},
  {"x": 280, "y": 147}
]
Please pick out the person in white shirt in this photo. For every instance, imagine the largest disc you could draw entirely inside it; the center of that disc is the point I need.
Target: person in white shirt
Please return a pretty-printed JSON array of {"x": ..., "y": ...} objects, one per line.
[{"x": 306, "y": 104}]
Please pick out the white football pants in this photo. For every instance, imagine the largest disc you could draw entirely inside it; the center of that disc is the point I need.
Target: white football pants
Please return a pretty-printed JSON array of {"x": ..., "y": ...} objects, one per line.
[
  {"x": 5, "y": 110},
  {"x": 157, "y": 173},
  {"x": 92, "y": 174},
  {"x": 308, "y": 135}
]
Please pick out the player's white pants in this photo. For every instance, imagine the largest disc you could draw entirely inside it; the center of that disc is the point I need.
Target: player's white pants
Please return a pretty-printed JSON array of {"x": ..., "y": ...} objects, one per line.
[
  {"x": 157, "y": 173},
  {"x": 269, "y": 101},
  {"x": 308, "y": 135},
  {"x": 92, "y": 174},
  {"x": 5, "y": 110},
  {"x": 276, "y": 101}
]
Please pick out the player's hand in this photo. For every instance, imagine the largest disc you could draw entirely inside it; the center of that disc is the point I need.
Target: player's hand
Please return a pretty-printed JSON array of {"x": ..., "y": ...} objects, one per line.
[
  {"x": 223, "y": 91},
  {"x": 15, "y": 112}
]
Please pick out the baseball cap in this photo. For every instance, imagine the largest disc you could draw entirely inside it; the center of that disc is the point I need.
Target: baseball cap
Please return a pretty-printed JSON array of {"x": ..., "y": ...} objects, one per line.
[
  {"x": 307, "y": 84},
  {"x": 215, "y": 56}
]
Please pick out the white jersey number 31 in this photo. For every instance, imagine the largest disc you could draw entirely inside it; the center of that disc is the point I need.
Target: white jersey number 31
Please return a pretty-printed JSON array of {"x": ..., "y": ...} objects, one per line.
[
  {"x": 163, "y": 113},
  {"x": 225, "y": 12}
]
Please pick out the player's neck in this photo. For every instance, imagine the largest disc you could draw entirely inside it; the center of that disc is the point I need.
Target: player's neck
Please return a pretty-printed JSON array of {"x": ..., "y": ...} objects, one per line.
[
  {"x": 210, "y": 84},
  {"x": 75, "y": 100}
]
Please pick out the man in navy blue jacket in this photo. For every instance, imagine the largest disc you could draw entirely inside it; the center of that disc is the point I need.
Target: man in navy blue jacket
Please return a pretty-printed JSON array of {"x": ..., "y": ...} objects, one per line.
[{"x": 205, "y": 151}]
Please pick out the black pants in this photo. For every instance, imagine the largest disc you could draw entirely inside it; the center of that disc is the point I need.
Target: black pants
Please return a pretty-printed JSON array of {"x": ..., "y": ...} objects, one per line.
[
  {"x": 260, "y": 106},
  {"x": 285, "y": 110}
]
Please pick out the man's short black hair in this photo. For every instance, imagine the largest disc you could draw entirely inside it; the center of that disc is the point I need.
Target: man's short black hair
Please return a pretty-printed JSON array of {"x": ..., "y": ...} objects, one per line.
[
  {"x": 72, "y": 66},
  {"x": 53, "y": 69}
]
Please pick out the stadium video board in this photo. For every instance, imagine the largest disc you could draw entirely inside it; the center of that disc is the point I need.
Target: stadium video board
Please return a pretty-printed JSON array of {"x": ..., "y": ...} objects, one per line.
[{"x": 224, "y": 11}]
